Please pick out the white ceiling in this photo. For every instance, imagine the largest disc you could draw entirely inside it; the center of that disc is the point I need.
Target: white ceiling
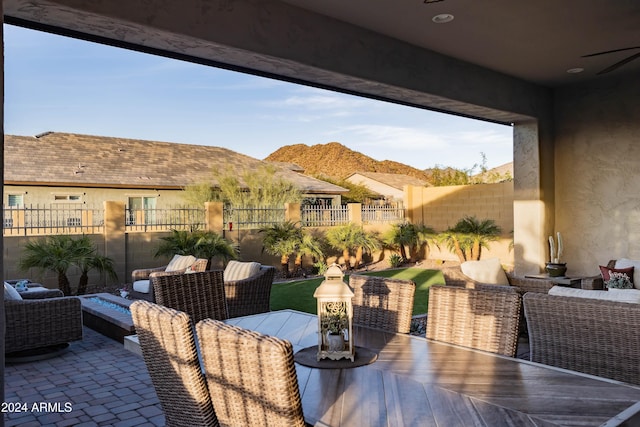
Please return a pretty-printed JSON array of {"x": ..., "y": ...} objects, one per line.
[{"x": 537, "y": 41}]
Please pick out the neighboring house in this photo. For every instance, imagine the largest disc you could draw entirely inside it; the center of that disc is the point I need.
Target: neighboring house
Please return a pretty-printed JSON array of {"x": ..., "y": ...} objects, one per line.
[
  {"x": 56, "y": 168},
  {"x": 498, "y": 174},
  {"x": 388, "y": 185}
]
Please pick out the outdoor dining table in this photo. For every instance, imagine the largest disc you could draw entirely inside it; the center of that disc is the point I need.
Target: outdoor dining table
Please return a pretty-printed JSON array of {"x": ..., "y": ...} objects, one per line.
[{"x": 420, "y": 382}]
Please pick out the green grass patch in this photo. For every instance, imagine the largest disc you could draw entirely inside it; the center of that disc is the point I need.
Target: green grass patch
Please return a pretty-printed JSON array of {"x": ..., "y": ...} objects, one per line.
[{"x": 298, "y": 295}]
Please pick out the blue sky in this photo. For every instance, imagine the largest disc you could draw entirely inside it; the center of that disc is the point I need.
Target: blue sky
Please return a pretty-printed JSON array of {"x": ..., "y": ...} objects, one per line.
[{"x": 54, "y": 83}]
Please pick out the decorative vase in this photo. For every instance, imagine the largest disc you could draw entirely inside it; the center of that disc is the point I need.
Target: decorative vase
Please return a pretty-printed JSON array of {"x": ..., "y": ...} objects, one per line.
[
  {"x": 335, "y": 342},
  {"x": 556, "y": 269}
]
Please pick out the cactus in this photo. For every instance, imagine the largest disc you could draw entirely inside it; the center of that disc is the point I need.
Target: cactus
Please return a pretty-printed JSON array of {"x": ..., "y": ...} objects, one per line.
[{"x": 555, "y": 256}]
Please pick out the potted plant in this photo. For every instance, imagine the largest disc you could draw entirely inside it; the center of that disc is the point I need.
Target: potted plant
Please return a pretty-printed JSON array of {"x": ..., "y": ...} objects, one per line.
[{"x": 556, "y": 268}]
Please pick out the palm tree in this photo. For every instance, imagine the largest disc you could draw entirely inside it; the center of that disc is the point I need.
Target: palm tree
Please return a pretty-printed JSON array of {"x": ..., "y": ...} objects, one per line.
[
  {"x": 87, "y": 259},
  {"x": 308, "y": 245},
  {"x": 351, "y": 237},
  {"x": 467, "y": 238},
  {"x": 406, "y": 234},
  {"x": 198, "y": 243},
  {"x": 60, "y": 252},
  {"x": 282, "y": 240},
  {"x": 51, "y": 253}
]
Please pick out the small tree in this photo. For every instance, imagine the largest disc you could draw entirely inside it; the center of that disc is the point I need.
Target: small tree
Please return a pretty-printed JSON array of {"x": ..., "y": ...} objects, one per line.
[
  {"x": 282, "y": 240},
  {"x": 467, "y": 238},
  {"x": 407, "y": 235},
  {"x": 198, "y": 243},
  {"x": 352, "y": 238},
  {"x": 58, "y": 253},
  {"x": 309, "y": 245}
]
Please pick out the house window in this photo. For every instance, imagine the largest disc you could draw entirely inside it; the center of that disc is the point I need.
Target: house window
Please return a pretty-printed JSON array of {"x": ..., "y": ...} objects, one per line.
[
  {"x": 67, "y": 197},
  {"x": 15, "y": 200},
  {"x": 142, "y": 210}
]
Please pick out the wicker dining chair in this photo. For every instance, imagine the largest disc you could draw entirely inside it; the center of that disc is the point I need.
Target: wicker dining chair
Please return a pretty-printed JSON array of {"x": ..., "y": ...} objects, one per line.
[
  {"x": 481, "y": 319},
  {"x": 382, "y": 303},
  {"x": 167, "y": 341},
  {"x": 251, "y": 377},
  {"x": 201, "y": 295}
]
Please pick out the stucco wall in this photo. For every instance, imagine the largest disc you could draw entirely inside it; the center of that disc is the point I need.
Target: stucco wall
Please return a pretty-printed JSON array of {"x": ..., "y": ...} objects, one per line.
[
  {"x": 441, "y": 207},
  {"x": 597, "y": 172}
]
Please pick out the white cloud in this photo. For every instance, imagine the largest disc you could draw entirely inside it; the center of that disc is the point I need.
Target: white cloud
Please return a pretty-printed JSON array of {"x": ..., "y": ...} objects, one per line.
[{"x": 398, "y": 137}]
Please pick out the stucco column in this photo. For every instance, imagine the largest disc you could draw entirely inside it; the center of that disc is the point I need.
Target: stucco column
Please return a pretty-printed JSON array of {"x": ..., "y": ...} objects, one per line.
[
  {"x": 115, "y": 242},
  {"x": 292, "y": 212},
  {"x": 214, "y": 216},
  {"x": 2, "y": 321},
  {"x": 355, "y": 213},
  {"x": 533, "y": 202}
]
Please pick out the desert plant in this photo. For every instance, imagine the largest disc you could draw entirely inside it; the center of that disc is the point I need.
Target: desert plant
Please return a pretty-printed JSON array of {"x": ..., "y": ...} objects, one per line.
[
  {"x": 282, "y": 240},
  {"x": 395, "y": 260},
  {"x": 58, "y": 253},
  {"x": 407, "y": 235},
  {"x": 198, "y": 243},
  {"x": 467, "y": 238},
  {"x": 351, "y": 237},
  {"x": 308, "y": 245}
]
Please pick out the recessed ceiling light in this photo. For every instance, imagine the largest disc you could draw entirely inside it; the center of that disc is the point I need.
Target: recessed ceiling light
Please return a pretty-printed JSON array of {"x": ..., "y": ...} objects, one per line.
[
  {"x": 443, "y": 18},
  {"x": 575, "y": 70}
]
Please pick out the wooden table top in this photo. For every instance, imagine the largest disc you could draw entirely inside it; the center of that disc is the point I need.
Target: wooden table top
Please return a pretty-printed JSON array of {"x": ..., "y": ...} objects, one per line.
[{"x": 419, "y": 382}]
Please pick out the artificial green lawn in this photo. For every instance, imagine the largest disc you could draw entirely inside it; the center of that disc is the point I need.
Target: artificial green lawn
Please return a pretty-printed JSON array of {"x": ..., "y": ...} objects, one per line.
[{"x": 298, "y": 295}]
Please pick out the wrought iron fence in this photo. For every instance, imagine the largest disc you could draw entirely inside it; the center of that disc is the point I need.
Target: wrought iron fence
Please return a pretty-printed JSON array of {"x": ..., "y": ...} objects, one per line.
[
  {"x": 252, "y": 218},
  {"x": 172, "y": 218},
  {"x": 372, "y": 214},
  {"x": 323, "y": 216},
  {"x": 52, "y": 219}
]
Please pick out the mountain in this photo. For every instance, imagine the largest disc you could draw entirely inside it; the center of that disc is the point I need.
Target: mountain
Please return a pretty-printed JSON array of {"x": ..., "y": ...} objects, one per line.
[{"x": 336, "y": 161}]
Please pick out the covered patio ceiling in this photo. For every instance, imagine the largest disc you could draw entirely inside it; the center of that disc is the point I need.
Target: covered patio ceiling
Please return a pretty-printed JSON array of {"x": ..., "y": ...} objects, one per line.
[{"x": 518, "y": 49}]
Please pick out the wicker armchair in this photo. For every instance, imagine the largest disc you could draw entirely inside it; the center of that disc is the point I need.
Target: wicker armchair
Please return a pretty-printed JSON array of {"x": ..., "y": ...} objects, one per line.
[
  {"x": 151, "y": 273},
  {"x": 480, "y": 319},
  {"x": 586, "y": 335},
  {"x": 382, "y": 303},
  {"x": 39, "y": 323},
  {"x": 252, "y": 378},
  {"x": 168, "y": 347},
  {"x": 201, "y": 295},
  {"x": 453, "y": 276},
  {"x": 252, "y": 295}
]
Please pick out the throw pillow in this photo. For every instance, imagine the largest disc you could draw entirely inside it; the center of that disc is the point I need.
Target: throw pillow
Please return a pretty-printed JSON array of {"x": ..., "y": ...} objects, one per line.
[
  {"x": 626, "y": 263},
  {"x": 606, "y": 273},
  {"x": 488, "y": 271},
  {"x": 180, "y": 262},
  {"x": 237, "y": 270},
  {"x": 10, "y": 293}
]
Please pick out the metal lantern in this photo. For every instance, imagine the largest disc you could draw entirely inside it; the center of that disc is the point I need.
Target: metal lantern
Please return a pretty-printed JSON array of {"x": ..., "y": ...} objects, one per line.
[{"x": 335, "y": 316}]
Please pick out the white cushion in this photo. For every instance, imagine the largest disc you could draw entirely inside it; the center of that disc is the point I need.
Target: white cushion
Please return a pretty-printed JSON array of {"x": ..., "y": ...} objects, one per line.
[
  {"x": 620, "y": 295},
  {"x": 180, "y": 262},
  {"x": 488, "y": 271},
  {"x": 141, "y": 286},
  {"x": 626, "y": 263},
  {"x": 10, "y": 293},
  {"x": 237, "y": 270}
]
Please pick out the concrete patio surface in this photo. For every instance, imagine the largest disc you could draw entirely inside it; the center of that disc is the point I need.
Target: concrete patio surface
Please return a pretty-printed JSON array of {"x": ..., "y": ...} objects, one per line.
[{"x": 96, "y": 380}]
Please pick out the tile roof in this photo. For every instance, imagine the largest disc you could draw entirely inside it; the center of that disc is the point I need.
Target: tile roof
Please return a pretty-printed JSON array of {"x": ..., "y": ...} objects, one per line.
[
  {"x": 394, "y": 180},
  {"x": 66, "y": 159}
]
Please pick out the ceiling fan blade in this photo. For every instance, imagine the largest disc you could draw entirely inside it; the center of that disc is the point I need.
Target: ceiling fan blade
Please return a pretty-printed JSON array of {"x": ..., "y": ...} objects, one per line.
[
  {"x": 610, "y": 51},
  {"x": 620, "y": 63}
]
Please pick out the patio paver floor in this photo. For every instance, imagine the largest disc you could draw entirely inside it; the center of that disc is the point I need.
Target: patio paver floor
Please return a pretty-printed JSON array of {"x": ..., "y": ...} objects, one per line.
[{"x": 103, "y": 383}]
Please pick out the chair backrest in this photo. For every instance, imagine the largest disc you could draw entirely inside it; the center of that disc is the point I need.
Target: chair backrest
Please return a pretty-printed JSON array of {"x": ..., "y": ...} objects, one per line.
[
  {"x": 168, "y": 346},
  {"x": 481, "y": 319},
  {"x": 586, "y": 335},
  {"x": 251, "y": 295},
  {"x": 382, "y": 303},
  {"x": 200, "y": 294},
  {"x": 251, "y": 377}
]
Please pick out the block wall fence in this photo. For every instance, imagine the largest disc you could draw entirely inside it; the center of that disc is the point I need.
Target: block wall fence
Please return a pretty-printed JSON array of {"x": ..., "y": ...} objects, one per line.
[{"x": 437, "y": 207}]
